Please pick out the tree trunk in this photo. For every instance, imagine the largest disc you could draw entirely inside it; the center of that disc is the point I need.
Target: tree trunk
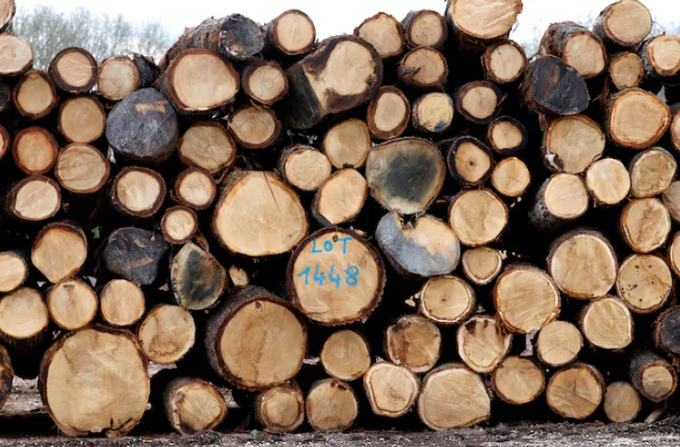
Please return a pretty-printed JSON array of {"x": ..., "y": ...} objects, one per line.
[
  {"x": 138, "y": 192},
  {"x": 72, "y": 304},
  {"x": 483, "y": 343},
  {"x": 628, "y": 128},
  {"x": 552, "y": 86},
  {"x": 255, "y": 127},
  {"x": 193, "y": 405},
  {"x": 608, "y": 182},
  {"x": 506, "y": 135},
  {"x": 258, "y": 215},
  {"x": 82, "y": 169},
  {"x": 345, "y": 355},
  {"x": 122, "y": 303},
  {"x": 78, "y": 394},
  {"x": 625, "y": 23},
  {"x": 478, "y": 217},
  {"x": 265, "y": 82},
  {"x": 518, "y": 381},
  {"x": 255, "y": 340},
  {"x": 645, "y": 224},
  {"x": 82, "y": 119},
  {"x": 562, "y": 198},
  {"x": 34, "y": 199},
  {"x": 652, "y": 376},
  {"x": 304, "y": 167},
  {"x": 195, "y": 188},
  {"x": 571, "y": 144},
  {"x": 74, "y": 70},
  {"x": 452, "y": 396},
  {"x": 575, "y": 392},
  {"x": 34, "y": 95},
  {"x": 504, "y": 62},
  {"x": 340, "y": 198},
  {"x": 292, "y": 33},
  {"x": 166, "y": 334},
  {"x": 347, "y": 144},
  {"x": 470, "y": 161},
  {"x": 511, "y": 177},
  {"x": 207, "y": 145},
  {"x": 622, "y": 402},
  {"x": 482, "y": 265},
  {"x": 34, "y": 151},
  {"x": 414, "y": 342},
  {"x": 59, "y": 251},
  {"x": 384, "y": 33},
  {"x": 331, "y": 406},
  {"x": 607, "y": 324},
  {"x": 335, "y": 278},
  {"x": 134, "y": 254},
  {"x": 447, "y": 300},
  {"x": 644, "y": 283},
  {"x": 626, "y": 70},
  {"x": 576, "y": 46},
  {"x": 281, "y": 409},
  {"x": 179, "y": 224},
  {"x": 559, "y": 343},
  {"x": 391, "y": 389},
  {"x": 388, "y": 113},
  {"x": 315, "y": 90},
  {"x": 652, "y": 172},
  {"x": 433, "y": 113},
  {"x": 425, "y": 28},
  {"x": 424, "y": 68},
  {"x": 405, "y": 175},
  {"x": 197, "y": 278},
  {"x": 479, "y": 102},
  {"x": 424, "y": 248}
]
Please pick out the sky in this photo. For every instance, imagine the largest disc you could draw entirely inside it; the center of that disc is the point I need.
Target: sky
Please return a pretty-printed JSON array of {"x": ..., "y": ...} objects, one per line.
[{"x": 343, "y": 16}]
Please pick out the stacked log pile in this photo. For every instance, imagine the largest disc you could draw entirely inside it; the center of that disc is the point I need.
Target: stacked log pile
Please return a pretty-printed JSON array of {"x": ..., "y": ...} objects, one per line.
[{"x": 415, "y": 221}]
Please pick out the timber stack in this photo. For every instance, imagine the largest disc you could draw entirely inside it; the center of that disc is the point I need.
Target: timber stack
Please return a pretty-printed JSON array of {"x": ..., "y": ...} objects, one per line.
[{"x": 416, "y": 221}]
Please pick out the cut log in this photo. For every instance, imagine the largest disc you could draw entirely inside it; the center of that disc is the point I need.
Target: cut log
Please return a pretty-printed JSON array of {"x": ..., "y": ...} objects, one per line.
[
  {"x": 625, "y": 23},
  {"x": 652, "y": 172},
  {"x": 134, "y": 254},
  {"x": 347, "y": 144},
  {"x": 255, "y": 340},
  {"x": 103, "y": 367},
  {"x": 304, "y": 167},
  {"x": 626, "y": 127},
  {"x": 433, "y": 113},
  {"x": 292, "y": 33},
  {"x": 652, "y": 376},
  {"x": 6, "y": 91},
  {"x": 4, "y": 139},
  {"x": 482, "y": 264},
  {"x": 645, "y": 224},
  {"x": 666, "y": 330},
  {"x": 199, "y": 82},
  {"x": 626, "y": 70},
  {"x": 671, "y": 200},
  {"x": 470, "y": 161},
  {"x": 17, "y": 55},
  {"x": 13, "y": 271},
  {"x": 425, "y": 28},
  {"x": 179, "y": 224},
  {"x": 197, "y": 278},
  {"x": 573, "y": 143},
  {"x": 345, "y": 355},
  {"x": 82, "y": 119},
  {"x": 504, "y": 62},
  {"x": 7, "y": 11},
  {"x": 6, "y": 374},
  {"x": 661, "y": 56},
  {"x": 675, "y": 129},
  {"x": 281, "y": 409},
  {"x": 391, "y": 389},
  {"x": 59, "y": 251},
  {"x": 335, "y": 278},
  {"x": 583, "y": 264},
  {"x": 34, "y": 150},
  {"x": 506, "y": 135},
  {"x": 122, "y": 303},
  {"x": 72, "y": 304},
  {"x": 622, "y": 403},
  {"x": 447, "y": 300},
  {"x": 576, "y": 46},
  {"x": 384, "y": 33},
  {"x": 674, "y": 254},
  {"x": 424, "y": 67},
  {"x": 425, "y": 248},
  {"x": 563, "y": 197},
  {"x": 479, "y": 20},
  {"x": 24, "y": 320},
  {"x": 388, "y": 113},
  {"x": 166, "y": 334},
  {"x": 255, "y": 127},
  {"x": 479, "y": 101},
  {"x": 138, "y": 192},
  {"x": 478, "y": 217},
  {"x": 331, "y": 406},
  {"x": 482, "y": 343},
  {"x": 143, "y": 128},
  {"x": 235, "y": 37},
  {"x": 195, "y": 188},
  {"x": 552, "y": 86},
  {"x": 34, "y": 95},
  {"x": 607, "y": 324},
  {"x": 559, "y": 343},
  {"x": 207, "y": 145},
  {"x": 405, "y": 175},
  {"x": 193, "y": 405},
  {"x": 238, "y": 276},
  {"x": 608, "y": 181},
  {"x": 82, "y": 169},
  {"x": 526, "y": 299},
  {"x": 340, "y": 198},
  {"x": 453, "y": 396},
  {"x": 34, "y": 199},
  {"x": 258, "y": 215},
  {"x": 343, "y": 73},
  {"x": 118, "y": 77},
  {"x": 74, "y": 70},
  {"x": 644, "y": 283},
  {"x": 414, "y": 342},
  {"x": 265, "y": 82},
  {"x": 518, "y": 381},
  {"x": 575, "y": 392},
  {"x": 511, "y": 177}
]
